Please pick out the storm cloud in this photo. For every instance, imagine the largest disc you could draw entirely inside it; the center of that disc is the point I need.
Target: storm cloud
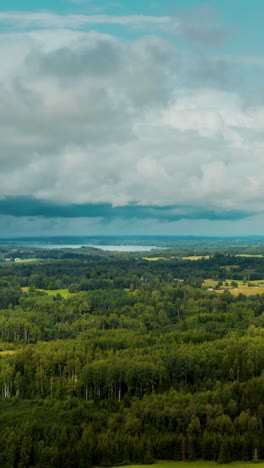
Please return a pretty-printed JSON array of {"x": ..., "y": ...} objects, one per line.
[{"x": 30, "y": 207}]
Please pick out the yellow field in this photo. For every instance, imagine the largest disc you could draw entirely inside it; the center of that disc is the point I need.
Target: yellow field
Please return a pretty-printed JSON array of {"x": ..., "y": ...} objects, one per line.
[
  {"x": 247, "y": 291},
  {"x": 197, "y": 464},
  {"x": 27, "y": 260},
  {"x": 51, "y": 292},
  {"x": 8, "y": 352},
  {"x": 154, "y": 259},
  {"x": 196, "y": 257},
  {"x": 209, "y": 283},
  {"x": 190, "y": 257},
  {"x": 241, "y": 288}
]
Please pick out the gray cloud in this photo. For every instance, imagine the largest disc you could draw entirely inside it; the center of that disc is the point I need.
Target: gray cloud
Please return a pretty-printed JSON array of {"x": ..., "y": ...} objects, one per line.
[
  {"x": 98, "y": 57},
  {"x": 99, "y": 126},
  {"x": 200, "y": 32},
  {"x": 208, "y": 71},
  {"x": 201, "y": 26},
  {"x": 31, "y": 207}
]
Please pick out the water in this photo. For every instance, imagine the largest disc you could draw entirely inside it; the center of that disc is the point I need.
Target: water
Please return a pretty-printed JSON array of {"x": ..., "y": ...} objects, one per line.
[
  {"x": 105, "y": 243},
  {"x": 108, "y": 248}
]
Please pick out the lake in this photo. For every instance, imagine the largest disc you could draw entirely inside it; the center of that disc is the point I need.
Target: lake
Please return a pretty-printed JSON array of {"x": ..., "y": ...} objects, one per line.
[{"x": 110, "y": 248}]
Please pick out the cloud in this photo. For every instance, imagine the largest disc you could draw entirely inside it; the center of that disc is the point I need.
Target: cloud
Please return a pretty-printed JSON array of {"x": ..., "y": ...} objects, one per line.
[
  {"x": 100, "y": 57},
  {"x": 200, "y": 28},
  {"x": 31, "y": 207},
  {"x": 93, "y": 125},
  {"x": 17, "y": 227},
  {"x": 47, "y": 20}
]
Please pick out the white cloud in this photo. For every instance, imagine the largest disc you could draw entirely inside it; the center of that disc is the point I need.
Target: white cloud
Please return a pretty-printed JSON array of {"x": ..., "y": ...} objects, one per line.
[
  {"x": 48, "y": 20},
  {"x": 86, "y": 117},
  {"x": 201, "y": 30}
]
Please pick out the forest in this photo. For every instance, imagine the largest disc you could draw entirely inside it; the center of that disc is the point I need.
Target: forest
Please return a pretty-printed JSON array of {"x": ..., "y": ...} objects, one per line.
[{"x": 111, "y": 359}]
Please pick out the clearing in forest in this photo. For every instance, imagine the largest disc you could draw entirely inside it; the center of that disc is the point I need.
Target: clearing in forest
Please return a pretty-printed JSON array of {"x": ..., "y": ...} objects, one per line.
[
  {"x": 54, "y": 292},
  {"x": 196, "y": 257},
  {"x": 248, "y": 289},
  {"x": 198, "y": 464}
]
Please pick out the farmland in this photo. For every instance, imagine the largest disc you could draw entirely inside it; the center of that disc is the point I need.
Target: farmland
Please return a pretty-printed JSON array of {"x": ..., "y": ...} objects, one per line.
[
  {"x": 249, "y": 289},
  {"x": 27, "y": 260},
  {"x": 154, "y": 259},
  {"x": 185, "y": 258},
  {"x": 197, "y": 464},
  {"x": 250, "y": 255},
  {"x": 196, "y": 257}
]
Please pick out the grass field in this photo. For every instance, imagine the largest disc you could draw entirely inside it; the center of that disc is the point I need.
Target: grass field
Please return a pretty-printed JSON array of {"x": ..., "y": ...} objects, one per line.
[
  {"x": 190, "y": 257},
  {"x": 250, "y": 255},
  {"x": 247, "y": 291},
  {"x": 197, "y": 464},
  {"x": 53, "y": 292},
  {"x": 241, "y": 287},
  {"x": 27, "y": 260},
  {"x": 8, "y": 352},
  {"x": 209, "y": 283},
  {"x": 196, "y": 257},
  {"x": 154, "y": 259}
]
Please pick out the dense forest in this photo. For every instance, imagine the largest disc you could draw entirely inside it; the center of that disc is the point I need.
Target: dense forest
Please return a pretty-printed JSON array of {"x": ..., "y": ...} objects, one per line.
[{"x": 108, "y": 359}]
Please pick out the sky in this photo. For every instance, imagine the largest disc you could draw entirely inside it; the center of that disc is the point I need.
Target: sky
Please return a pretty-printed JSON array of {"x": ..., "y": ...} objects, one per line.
[{"x": 126, "y": 117}]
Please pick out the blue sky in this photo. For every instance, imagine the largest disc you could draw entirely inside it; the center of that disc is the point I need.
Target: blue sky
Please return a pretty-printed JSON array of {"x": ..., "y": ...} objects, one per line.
[
  {"x": 141, "y": 117},
  {"x": 244, "y": 19}
]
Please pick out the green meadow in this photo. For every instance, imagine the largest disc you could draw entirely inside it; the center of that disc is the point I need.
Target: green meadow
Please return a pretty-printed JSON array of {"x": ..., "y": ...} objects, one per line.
[{"x": 54, "y": 292}]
